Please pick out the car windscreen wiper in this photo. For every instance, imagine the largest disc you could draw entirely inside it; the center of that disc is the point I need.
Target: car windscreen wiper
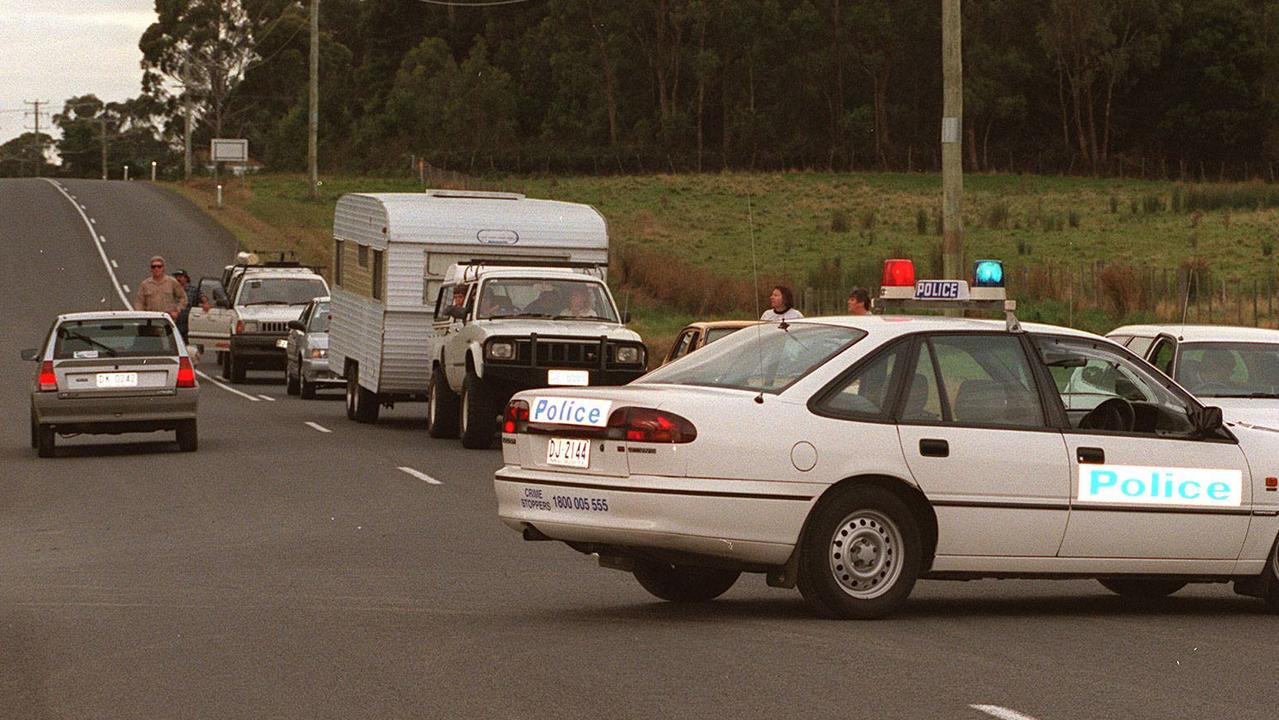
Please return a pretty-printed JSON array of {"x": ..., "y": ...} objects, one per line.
[
  {"x": 78, "y": 336},
  {"x": 265, "y": 302},
  {"x": 519, "y": 315},
  {"x": 580, "y": 317}
]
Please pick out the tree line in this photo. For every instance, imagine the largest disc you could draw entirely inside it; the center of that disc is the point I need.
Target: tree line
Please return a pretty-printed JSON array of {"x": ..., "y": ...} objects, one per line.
[{"x": 1160, "y": 87}]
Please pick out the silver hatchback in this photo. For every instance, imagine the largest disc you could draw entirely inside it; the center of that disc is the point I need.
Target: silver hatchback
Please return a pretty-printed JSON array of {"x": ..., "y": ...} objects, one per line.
[{"x": 112, "y": 373}]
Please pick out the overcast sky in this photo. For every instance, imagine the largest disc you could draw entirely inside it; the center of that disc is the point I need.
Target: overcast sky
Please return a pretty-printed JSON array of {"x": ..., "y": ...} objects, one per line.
[{"x": 56, "y": 49}]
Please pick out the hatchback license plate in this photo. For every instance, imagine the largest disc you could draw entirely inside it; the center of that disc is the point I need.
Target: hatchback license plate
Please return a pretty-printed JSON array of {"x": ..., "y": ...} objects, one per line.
[
  {"x": 117, "y": 380},
  {"x": 568, "y": 453}
]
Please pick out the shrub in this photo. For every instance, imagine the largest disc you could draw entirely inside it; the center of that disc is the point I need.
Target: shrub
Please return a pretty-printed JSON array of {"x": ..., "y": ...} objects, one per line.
[
  {"x": 1114, "y": 204},
  {"x": 1074, "y": 218},
  {"x": 1122, "y": 288},
  {"x": 839, "y": 221},
  {"x": 867, "y": 219},
  {"x": 921, "y": 222},
  {"x": 1267, "y": 247},
  {"x": 997, "y": 215},
  {"x": 1178, "y": 199},
  {"x": 1152, "y": 204},
  {"x": 1023, "y": 247}
]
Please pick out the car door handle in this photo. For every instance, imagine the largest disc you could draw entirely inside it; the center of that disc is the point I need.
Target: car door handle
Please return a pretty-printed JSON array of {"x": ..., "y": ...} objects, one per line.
[
  {"x": 934, "y": 448},
  {"x": 1090, "y": 455}
]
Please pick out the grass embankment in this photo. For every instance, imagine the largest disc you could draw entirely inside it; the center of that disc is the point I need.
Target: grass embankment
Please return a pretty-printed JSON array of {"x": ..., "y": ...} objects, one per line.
[{"x": 682, "y": 244}]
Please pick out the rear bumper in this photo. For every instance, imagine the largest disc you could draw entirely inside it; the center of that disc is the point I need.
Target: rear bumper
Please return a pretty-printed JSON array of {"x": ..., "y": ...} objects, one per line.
[
  {"x": 752, "y": 523},
  {"x": 117, "y": 414}
]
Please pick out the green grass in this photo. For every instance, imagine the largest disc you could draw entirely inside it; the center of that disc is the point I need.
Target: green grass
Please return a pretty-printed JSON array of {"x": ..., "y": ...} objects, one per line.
[{"x": 781, "y": 223}]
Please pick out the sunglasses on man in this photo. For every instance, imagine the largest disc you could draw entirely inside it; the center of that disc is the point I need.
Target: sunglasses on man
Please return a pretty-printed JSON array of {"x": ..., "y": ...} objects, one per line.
[{"x": 156, "y": 267}]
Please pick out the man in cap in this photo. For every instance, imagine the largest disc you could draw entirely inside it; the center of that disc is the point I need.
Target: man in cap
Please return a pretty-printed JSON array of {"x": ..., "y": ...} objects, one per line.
[{"x": 160, "y": 292}]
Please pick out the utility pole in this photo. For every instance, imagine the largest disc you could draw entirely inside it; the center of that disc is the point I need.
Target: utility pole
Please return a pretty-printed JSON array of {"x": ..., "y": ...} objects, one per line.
[
  {"x": 186, "y": 98},
  {"x": 39, "y": 143},
  {"x": 313, "y": 115},
  {"x": 952, "y": 159}
]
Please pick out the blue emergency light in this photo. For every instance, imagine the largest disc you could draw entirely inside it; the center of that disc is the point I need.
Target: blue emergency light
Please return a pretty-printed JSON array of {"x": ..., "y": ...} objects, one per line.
[{"x": 988, "y": 273}]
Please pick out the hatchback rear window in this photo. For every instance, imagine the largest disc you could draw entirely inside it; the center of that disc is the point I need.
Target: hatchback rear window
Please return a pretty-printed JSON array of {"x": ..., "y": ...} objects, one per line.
[{"x": 134, "y": 337}]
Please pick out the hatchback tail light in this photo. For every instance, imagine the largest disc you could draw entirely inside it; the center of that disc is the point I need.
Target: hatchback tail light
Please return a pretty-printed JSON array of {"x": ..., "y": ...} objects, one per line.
[
  {"x": 48, "y": 379},
  {"x": 648, "y": 425},
  {"x": 186, "y": 373},
  {"x": 516, "y": 418}
]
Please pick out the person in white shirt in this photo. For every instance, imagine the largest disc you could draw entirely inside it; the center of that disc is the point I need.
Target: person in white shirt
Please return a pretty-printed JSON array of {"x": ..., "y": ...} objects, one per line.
[{"x": 782, "y": 301}]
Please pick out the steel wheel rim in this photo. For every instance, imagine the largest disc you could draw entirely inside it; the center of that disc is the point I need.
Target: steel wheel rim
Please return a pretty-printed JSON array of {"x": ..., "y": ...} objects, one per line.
[
  {"x": 865, "y": 554},
  {"x": 430, "y": 408},
  {"x": 1274, "y": 562},
  {"x": 465, "y": 406}
]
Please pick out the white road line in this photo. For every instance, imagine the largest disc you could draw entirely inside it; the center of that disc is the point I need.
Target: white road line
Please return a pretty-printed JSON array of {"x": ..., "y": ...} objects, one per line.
[
  {"x": 226, "y": 387},
  {"x": 124, "y": 298},
  {"x": 102, "y": 239},
  {"x": 268, "y": 398},
  {"x": 115, "y": 264},
  {"x": 1002, "y": 713},
  {"x": 126, "y": 288},
  {"x": 81, "y": 207},
  {"x": 92, "y": 220},
  {"x": 420, "y": 475},
  {"x": 318, "y": 426}
]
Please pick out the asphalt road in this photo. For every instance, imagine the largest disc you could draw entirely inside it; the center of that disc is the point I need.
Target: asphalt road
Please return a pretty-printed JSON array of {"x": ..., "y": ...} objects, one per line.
[{"x": 287, "y": 572}]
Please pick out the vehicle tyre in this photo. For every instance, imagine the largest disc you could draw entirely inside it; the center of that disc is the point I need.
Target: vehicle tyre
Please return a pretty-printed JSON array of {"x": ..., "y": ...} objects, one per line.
[
  {"x": 225, "y": 361},
  {"x": 44, "y": 441},
  {"x": 239, "y": 367},
  {"x": 188, "y": 436},
  {"x": 478, "y": 414},
  {"x": 684, "y": 583},
  {"x": 1142, "y": 589},
  {"x": 442, "y": 407},
  {"x": 1270, "y": 580},
  {"x": 361, "y": 404},
  {"x": 861, "y": 554},
  {"x": 35, "y": 430},
  {"x": 306, "y": 388},
  {"x": 292, "y": 383}
]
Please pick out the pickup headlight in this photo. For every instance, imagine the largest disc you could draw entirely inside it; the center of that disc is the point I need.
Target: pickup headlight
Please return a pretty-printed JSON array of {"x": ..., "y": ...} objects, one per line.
[
  {"x": 319, "y": 353},
  {"x": 247, "y": 326},
  {"x": 628, "y": 355},
  {"x": 500, "y": 351}
]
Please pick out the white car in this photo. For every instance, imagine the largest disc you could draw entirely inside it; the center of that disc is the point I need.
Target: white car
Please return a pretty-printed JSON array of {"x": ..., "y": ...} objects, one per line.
[
  {"x": 852, "y": 456},
  {"x": 1236, "y": 368}
]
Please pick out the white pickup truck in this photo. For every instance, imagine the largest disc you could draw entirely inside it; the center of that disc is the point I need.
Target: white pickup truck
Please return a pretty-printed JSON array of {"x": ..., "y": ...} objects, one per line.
[{"x": 247, "y": 325}]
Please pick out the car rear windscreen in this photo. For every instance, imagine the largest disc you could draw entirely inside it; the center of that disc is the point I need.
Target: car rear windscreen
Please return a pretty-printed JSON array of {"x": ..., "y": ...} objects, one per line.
[{"x": 132, "y": 337}]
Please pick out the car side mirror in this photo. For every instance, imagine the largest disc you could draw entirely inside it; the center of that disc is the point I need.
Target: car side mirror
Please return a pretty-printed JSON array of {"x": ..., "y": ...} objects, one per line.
[
  {"x": 1208, "y": 420},
  {"x": 30, "y": 354},
  {"x": 297, "y": 325}
]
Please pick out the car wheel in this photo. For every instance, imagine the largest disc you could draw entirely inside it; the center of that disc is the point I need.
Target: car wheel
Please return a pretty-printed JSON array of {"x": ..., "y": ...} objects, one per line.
[
  {"x": 291, "y": 381},
  {"x": 225, "y": 362},
  {"x": 861, "y": 554},
  {"x": 45, "y": 441},
  {"x": 306, "y": 388},
  {"x": 188, "y": 436},
  {"x": 35, "y": 430},
  {"x": 1142, "y": 589},
  {"x": 441, "y": 410},
  {"x": 1271, "y": 579},
  {"x": 238, "y": 367},
  {"x": 684, "y": 583},
  {"x": 361, "y": 404},
  {"x": 477, "y": 414}
]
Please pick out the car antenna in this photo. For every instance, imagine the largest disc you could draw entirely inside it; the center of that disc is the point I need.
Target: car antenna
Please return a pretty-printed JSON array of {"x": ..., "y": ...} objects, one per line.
[
  {"x": 750, "y": 223},
  {"x": 1185, "y": 305}
]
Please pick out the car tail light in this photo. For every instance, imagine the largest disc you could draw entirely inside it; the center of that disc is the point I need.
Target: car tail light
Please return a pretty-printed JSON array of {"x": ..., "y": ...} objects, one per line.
[
  {"x": 186, "y": 373},
  {"x": 48, "y": 380},
  {"x": 516, "y": 417},
  {"x": 239, "y": 326},
  {"x": 647, "y": 425}
]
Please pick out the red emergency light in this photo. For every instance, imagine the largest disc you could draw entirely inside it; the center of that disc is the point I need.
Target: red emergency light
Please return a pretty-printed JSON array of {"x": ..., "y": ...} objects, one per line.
[{"x": 898, "y": 273}]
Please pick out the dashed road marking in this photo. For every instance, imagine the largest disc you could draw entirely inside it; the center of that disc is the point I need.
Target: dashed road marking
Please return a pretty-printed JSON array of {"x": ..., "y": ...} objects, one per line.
[
  {"x": 102, "y": 239},
  {"x": 1002, "y": 713},
  {"x": 420, "y": 475},
  {"x": 92, "y": 220},
  {"x": 126, "y": 288},
  {"x": 268, "y": 398},
  {"x": 317, "y": 426},
  {"x": 115, "y": 264},
  {"x": 226, "y": 387},
  {"x": 124, "y": 296},
  {"x": 82, "y": 207}
]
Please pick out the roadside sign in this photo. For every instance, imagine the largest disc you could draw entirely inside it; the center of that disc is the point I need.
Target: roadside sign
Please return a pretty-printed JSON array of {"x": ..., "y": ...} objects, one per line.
[{"x": 229, "y": 150}]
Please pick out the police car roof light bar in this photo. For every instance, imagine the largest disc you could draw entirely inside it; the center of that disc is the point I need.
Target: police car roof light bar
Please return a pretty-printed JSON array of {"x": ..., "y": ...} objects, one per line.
[{"x": 986, "y": 293}]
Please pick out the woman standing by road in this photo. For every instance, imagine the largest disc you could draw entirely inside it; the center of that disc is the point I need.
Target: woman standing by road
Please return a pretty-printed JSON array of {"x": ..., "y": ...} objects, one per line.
[{"x": 782, "y": 301}]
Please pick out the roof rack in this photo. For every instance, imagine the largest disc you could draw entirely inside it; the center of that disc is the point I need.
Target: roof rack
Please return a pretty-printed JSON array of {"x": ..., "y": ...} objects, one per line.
[
  {"x": 471, "y": 268},
  {"x": 474, "y": 194}
]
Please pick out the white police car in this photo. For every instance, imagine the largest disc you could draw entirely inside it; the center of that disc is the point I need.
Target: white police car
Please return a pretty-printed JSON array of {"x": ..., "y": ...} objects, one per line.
[
  {"x": 852, "y": 456},
  {"x": 1236, "y": 368}
]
